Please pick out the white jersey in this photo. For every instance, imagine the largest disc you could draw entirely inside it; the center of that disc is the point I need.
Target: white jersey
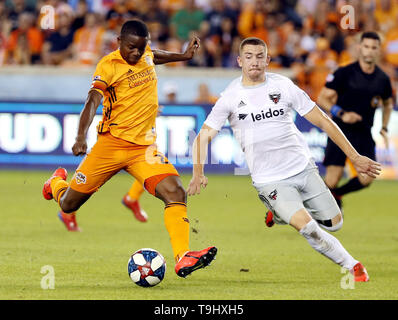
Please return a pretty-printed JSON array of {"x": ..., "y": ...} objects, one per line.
[{"x": 262, "y": 122}]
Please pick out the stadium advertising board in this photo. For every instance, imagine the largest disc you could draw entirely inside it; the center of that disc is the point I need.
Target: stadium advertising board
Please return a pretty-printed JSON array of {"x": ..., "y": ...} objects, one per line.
[{"x": 41, "y": 135}]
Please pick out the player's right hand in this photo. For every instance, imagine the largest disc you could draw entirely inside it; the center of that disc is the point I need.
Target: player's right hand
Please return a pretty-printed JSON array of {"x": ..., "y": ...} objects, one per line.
[
  {"x": 195, "y": 184},
  {"x": 366, "y": 166},
  {"x": 80, "y": 146},
  {"x": 351, "y": 117}
]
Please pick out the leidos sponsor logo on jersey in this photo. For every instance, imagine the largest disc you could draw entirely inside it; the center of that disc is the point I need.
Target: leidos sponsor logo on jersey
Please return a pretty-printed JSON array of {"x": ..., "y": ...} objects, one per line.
[{"x": 267, "y": 115}]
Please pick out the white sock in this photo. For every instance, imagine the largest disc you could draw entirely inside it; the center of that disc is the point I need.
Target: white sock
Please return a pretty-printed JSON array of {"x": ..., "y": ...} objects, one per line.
[{"x": 328, "y": 245}]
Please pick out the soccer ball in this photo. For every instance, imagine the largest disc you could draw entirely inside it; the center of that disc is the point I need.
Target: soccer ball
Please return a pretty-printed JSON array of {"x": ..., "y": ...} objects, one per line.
[{"x": 146, "y": 267}]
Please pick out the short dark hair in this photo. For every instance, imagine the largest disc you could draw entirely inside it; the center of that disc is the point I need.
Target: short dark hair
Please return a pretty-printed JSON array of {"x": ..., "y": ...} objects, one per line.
[
  {"x": 370, "y": 35},
  {"x": 253, "y": 41},
  {"x": 135, "y": 27}
]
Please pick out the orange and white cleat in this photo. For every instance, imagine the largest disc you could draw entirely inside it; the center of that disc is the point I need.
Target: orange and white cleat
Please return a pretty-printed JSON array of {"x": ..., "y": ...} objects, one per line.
[
  {"x": 193, "y": 260},
  {"x": 69, "y": 220},
  {"x": 134, "y": 206},
  {"x": 269, "y": 219},
  {"x": 60, "y": 172},
  {"x": 360, "y": 273}
]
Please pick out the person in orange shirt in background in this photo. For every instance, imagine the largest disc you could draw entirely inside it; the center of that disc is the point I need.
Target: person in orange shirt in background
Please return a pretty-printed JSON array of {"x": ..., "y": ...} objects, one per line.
[
  {"x": 204, "y": 95},
  {"x": 320, "y": 63},
  {"x": 390, "y": 46},
  {"x": 88, "y": 41},
  {"x": 25, "y": 43},
  {"x": 127, "y": 81},
  {"x": 386, "y": 14}
]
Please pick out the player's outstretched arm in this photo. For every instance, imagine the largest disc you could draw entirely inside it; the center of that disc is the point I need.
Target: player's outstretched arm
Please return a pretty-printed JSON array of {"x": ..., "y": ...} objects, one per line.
[
  {"x": 199, "y": 155},
  {"x": 162, "y": 56},
  {"x": 362, "y": 164},
  {"x": 86, "y": 118}
]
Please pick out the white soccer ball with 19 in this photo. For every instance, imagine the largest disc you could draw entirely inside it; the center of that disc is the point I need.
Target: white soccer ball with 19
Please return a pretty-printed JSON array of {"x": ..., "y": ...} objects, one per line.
[{"x": 146, "y": 267}]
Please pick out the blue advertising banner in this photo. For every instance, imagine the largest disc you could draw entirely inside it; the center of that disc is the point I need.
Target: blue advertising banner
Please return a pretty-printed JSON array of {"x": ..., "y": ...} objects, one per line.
[{"x": 41, "y": 135}]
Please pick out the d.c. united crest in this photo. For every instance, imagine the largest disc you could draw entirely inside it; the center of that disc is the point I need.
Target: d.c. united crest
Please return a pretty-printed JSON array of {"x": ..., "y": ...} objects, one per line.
[{"x": 275, "y": 97}]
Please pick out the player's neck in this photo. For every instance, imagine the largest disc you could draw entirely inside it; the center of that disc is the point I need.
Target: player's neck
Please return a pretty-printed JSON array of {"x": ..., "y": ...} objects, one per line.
[
  {"x": 248, "y": 82},
  {"x": 367, "y": 67}
]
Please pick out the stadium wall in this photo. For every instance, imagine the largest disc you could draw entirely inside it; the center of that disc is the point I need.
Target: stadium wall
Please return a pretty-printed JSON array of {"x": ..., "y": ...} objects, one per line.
[{"x": 39, "y": 112}]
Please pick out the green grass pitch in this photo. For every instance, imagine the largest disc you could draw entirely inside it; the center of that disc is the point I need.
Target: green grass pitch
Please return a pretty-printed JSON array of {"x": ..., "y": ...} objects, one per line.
[{"x": 253, "y": 262}]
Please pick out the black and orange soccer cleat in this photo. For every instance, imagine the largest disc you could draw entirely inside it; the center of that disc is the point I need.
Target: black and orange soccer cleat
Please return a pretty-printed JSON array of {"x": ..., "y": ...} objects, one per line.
[
  {"x": 60, "y": 172},
  {"x": 360, "y": 273},
  {"x": 134, "y": 206},
  {"x": 194, "y": 260}
]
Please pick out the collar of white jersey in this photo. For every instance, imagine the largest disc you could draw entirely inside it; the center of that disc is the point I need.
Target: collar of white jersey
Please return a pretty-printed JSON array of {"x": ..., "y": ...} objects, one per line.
[{"x": 256, "y": 85}]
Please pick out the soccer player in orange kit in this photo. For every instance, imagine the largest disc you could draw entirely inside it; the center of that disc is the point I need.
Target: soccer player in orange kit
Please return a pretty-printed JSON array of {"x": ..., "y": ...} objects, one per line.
[{"x": 127, "y": 81}]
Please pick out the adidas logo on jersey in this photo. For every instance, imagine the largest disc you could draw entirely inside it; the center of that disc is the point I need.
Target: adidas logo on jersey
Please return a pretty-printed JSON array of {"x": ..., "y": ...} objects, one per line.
[
  {"x": 269, "y": 114},
  {"x": 241, "y": 104}
]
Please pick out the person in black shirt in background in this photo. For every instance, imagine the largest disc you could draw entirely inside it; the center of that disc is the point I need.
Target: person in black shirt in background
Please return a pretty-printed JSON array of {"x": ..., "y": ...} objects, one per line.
[{"x": 351, "y": 95}]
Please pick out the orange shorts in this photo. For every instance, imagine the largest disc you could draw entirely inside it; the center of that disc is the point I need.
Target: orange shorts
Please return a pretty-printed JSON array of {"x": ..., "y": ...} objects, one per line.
[{"x": 110, "y": 155}]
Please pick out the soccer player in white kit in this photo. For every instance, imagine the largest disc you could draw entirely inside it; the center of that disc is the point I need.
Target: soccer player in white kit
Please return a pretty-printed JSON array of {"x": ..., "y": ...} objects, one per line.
[{"x": 259, "y": 107}]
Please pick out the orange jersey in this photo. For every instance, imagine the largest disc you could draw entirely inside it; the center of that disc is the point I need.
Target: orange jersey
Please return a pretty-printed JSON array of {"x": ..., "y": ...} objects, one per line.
[{"x": 130, "y": 97}]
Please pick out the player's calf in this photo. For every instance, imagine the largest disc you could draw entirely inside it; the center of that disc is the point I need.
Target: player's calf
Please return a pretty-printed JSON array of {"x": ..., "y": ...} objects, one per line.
[{"x": 72, "y": 200}]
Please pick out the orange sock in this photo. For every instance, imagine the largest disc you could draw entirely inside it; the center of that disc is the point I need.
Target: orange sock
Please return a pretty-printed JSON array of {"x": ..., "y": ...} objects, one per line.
[
  {"x": 136, "y": 190},
  {"x": 177, "y": 224},
  {"x": 58, "y": 187}
]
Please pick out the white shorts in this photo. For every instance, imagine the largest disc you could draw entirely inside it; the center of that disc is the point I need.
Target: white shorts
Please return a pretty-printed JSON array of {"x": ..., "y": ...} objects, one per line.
[{"x": 305, "y": 190}]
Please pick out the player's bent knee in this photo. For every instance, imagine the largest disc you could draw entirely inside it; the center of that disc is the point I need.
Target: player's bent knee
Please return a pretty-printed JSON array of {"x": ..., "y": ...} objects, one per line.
[
  {"x": 332, "y": 225},
  {"x": 171, "y": 189}
]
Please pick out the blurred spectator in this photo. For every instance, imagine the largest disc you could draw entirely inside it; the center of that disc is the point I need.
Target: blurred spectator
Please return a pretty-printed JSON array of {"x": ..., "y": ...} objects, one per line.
[
  {"x": 174, "y": 45},
  {"x": 289, "y": 9},
  {"x": 218, "y": 13},
  {"x": 17, "y": 8},
  {"x": 333, "y": 35},
  {"x": 170, "y": 90},
  {"x": 120, "y": 11},
  {"x": 88, "y": 41},
  {"x": 204, "y": 95},
  {"x": 172, "y": 6},
  {"x": 58, "y": 46},
  {"x": 25, "y": 43},
  {"x": 320, "y": 63},
  {"x": 80, "y": 12},
  {"x": 186, "y": 20},
  {"x": 252, "y": 17},
  {"x": 391, "y": 46},
  {"x": 350, "y": 53},
  {"x": 5, "y": 26},
  {"x": 306, "y": 8},
  {"x": 324, "y": 14},
  {"x": 157, "y": 21},
  {"x": 386, "y": 14}
]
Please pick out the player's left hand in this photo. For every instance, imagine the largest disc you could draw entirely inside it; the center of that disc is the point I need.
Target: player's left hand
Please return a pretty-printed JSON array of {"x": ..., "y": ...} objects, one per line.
[
  {"x": 365, "y": 166},
  {"x": 193, "y": 45},
  {"x": 195, "y": 184},
  {"x": 384, "y": 134}
]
